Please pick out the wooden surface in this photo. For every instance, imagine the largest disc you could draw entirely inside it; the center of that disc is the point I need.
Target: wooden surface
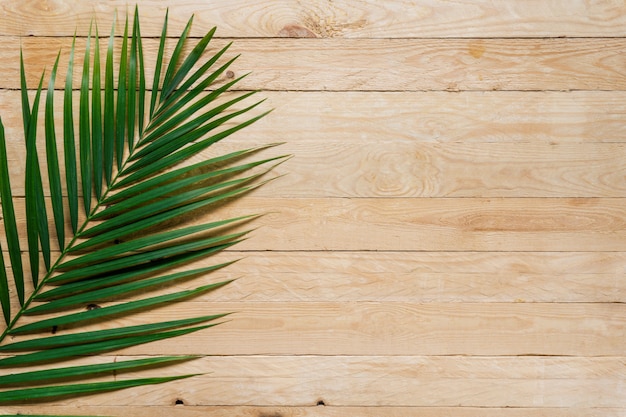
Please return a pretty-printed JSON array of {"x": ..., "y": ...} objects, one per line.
[{"x": 451, "y": 237}]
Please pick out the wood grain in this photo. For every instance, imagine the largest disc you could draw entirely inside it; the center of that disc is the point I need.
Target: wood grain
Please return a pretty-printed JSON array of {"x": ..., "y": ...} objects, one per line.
[
  {"x": 416, "y": 381},
  {"x": 318, "y": 18},
  {"x": 390, "y": 328},
  {"x": 448, "y": 224},
  {"x": 500, "y": 145},
  {"x": 421, "y": 277},
  {"x": 431, "y": 277},
  {"x": 378, "y": 381},
  {"x": 408, "y": 329},
  {"x": 389, "y": 65},
  {"x": 369, "y": 166},
  {"x": 372, "y": 168}
]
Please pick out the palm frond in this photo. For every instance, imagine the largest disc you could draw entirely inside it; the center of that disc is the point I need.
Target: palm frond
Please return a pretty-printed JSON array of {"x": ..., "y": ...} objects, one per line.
[{"x": 132, "y": 172}]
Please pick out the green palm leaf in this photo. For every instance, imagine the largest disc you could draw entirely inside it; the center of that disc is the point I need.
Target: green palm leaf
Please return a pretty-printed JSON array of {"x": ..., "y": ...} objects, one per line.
[
  {"x": 80, "y": 371},
  {"x": 131, "y": 171},
  {"x": 84, "y": 131},
  {"x": 30, "y": 394},
  {"x": 54, "y": 174},
  {"x": 108, "y": 130},
  {"x": 36, "y": 216},
  {"x": 69, "y": 144},
  {"x": 11, "y": 233}
]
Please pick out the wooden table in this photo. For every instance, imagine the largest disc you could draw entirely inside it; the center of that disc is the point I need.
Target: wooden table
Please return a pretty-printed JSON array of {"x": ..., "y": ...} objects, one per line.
[{"x": 450, "y": 239}]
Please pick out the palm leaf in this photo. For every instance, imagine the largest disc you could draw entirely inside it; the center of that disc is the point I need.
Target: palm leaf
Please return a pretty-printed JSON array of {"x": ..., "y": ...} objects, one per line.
[
  {"x": 96, "y": 124},
  {"x": 108, "y": 130},
  {"x": 54, "y": 174},
  {"x": 30, "y": 394},
  {"x": 5, "y": 299},
  {"x": 132, "y": 172},
  {"x": 48, "y": 375},
  {"x": 84, "y": 131},
  {"x": 36, "y": 216},
  {"x": 121, "y": 112},
  {"x": 11, "y": 233},
  {"x": 69, "y": 144}
]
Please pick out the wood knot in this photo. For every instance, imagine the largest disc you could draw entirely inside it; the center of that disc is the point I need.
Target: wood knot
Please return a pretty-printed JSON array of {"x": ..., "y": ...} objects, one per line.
[
  {"x": 476, "y": 49},
  {"x": 296, "y": 31}
]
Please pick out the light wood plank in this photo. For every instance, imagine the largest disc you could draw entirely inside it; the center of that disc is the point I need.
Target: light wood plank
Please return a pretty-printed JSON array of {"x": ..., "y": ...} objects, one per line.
[
  {"x": 347, "y": 381},
  {"x": 503, "y": 155},
  {"x": 363, "y": 19},
  {"x": 408, "y": 328},
  {"x": 369, "y": 167},
  {"x": 433, "y": 65},
  {"x": 364, "y": 167},
  {"x": 384, "y": 328},
  {"x": 388, "y": 65},
  {"x": 314, "y": 411},
  {"x": 525, "y": 224},
  {"x": 340, "y": 381},
  {"x": 429, "y": 117},
  {"x": 425, "y": 224},
  {"x": 429, "y": 277},
  {"x": 421, "y": 277}
]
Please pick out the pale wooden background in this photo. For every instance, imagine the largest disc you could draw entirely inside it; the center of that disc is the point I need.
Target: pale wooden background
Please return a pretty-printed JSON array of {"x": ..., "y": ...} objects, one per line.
[{"x": 450, "y": 239}]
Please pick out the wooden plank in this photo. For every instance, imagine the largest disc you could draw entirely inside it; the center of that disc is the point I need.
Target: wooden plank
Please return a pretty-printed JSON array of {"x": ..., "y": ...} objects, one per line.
[
  {"x": 421, "y": 277},
  {"x": 411, "y": 277},
  {"x": 340, "y": 381},
  {"x": 423, "y": 224},
  {"x": 389, "y": 65},
  {"x": 312, "y": 411},
  {"x": 363, "y": 19},
  {"x": 429, "y": 117},
  {"x": 390, "y": 328},
  {"x": 503, "y": 155},
  {"x": 364, "y": 167},
  {"x": 524, "y": 224},
  {"x": 372, "y": 168},
  {"x": 403, "y": 381},
  {"x": 433, "y": 65},
  {"x": 430, "y": 277},
  {"x": 435, "y": 117},
  {"x": 409, "y": 328}
]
